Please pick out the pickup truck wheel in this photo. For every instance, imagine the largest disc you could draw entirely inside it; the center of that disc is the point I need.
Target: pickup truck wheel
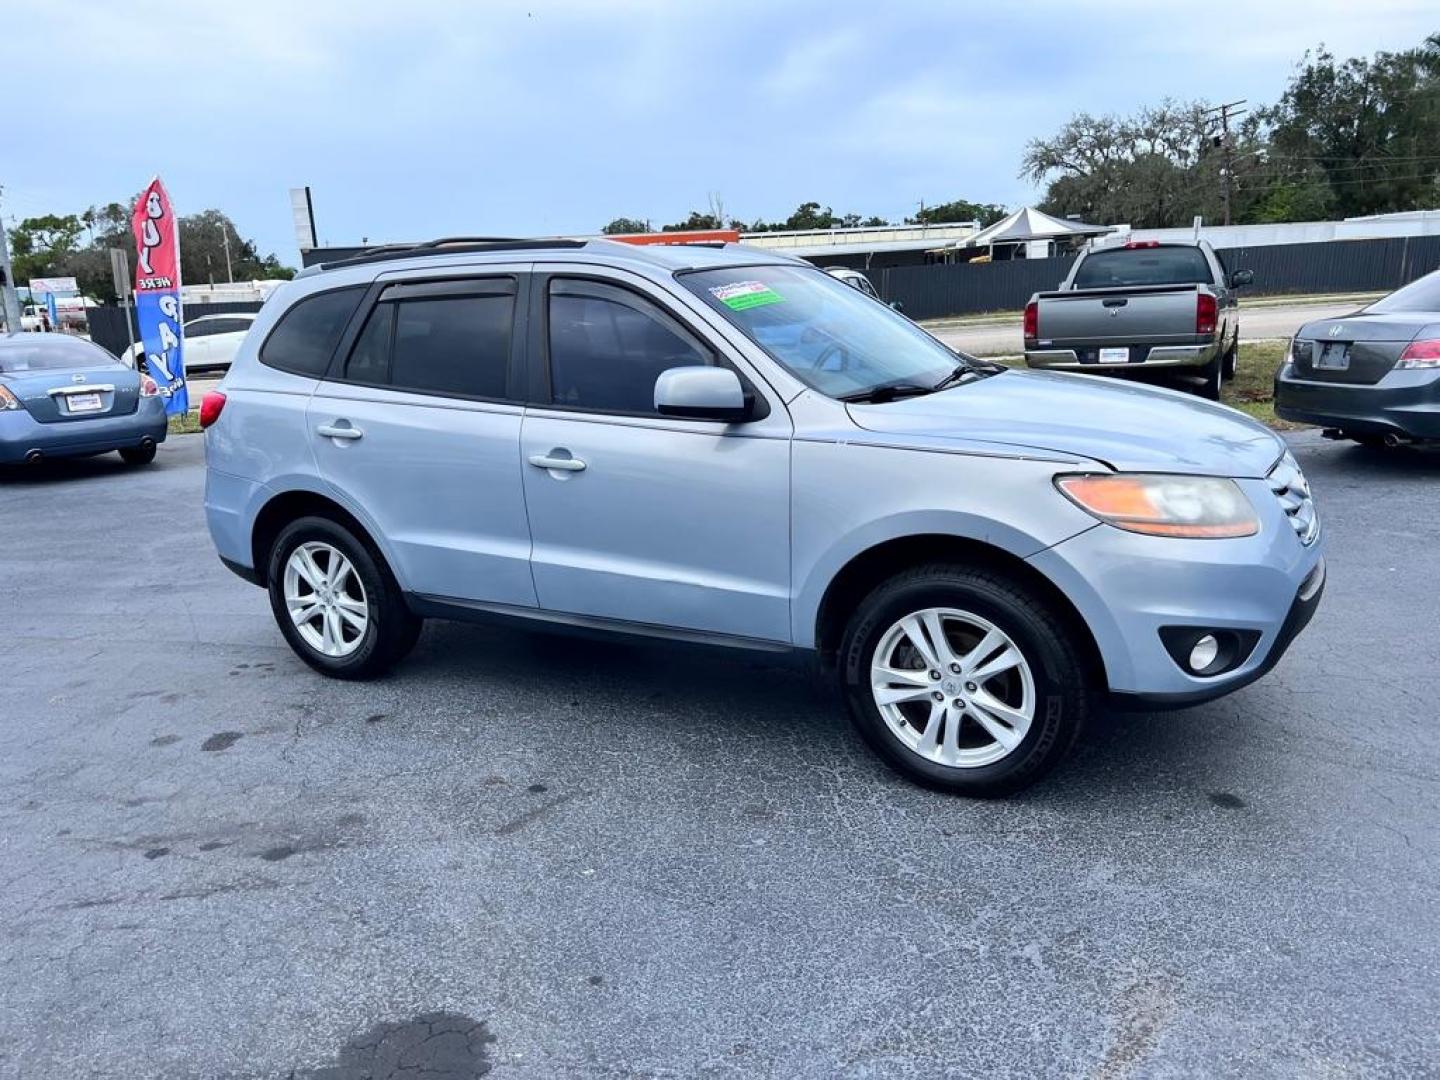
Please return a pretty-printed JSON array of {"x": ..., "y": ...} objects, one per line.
[
  {"x": 338, "y": 606},
  {"x": 1212, "y": 375},
  {"x": 962, "y": 680},
  {"x": 1231, "y": 361}
]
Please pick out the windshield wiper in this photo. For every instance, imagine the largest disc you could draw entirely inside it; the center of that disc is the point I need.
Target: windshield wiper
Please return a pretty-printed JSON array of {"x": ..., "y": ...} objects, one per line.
[
  {"x": 977, "y": 368},
  {"x": 878, "y": 395}
]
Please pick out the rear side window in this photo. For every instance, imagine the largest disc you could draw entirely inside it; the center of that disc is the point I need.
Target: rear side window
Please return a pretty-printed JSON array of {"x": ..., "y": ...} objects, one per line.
[
  {"x": 1143, "y": 266},
  {"x": 609, "y": 345},
  {"x": 305, "y": 338},
  {"x": 449, "y": 338},
  {"x": 1423, "y": 294}
]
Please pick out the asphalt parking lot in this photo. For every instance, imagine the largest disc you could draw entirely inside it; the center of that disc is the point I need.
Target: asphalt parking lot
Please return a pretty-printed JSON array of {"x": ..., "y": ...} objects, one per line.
[{"x": 542, "y": 856}]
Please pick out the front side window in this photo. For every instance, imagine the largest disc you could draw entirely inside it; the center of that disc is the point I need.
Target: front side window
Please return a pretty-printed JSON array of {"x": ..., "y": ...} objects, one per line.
[
  {"x": 828, "y": 334},
  {"x": 445, "y": 338},
  {"x": 608, "y": 346}
]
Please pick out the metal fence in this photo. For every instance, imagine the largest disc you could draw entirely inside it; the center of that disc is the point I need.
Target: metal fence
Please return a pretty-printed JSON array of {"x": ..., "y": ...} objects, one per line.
[
  {"x": 931, "y": 292},
  {"x": 107, "y": 324}
]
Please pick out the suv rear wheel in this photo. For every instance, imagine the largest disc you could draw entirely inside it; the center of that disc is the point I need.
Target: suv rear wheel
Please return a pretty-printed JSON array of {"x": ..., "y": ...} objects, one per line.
[
  {"x": 336, "y": 603},
  {"x": 962, "y": 680}
]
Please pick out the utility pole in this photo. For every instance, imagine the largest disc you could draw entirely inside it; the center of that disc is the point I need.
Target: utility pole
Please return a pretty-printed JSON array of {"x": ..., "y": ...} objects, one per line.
[
  {"x": 8, "y": 300},
  {"x": 1227, "y": 112},
  {"x": 225, "y": 235}
]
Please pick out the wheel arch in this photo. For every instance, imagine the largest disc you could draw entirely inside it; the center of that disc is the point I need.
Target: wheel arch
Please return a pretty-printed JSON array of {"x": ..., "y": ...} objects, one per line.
[
  {"x": 287, "y": 506},
  {"x": 867, "y": 569}
]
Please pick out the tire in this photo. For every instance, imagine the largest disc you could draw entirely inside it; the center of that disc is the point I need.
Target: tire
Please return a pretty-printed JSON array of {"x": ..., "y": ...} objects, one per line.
[
  {"x": 1231, "y": 360},
  {"x": 365, "y": 593},
  {"x": 968, "y": 759},
  {"x": 138, "y": 455},
  {"x": 1212, "y": 375}
]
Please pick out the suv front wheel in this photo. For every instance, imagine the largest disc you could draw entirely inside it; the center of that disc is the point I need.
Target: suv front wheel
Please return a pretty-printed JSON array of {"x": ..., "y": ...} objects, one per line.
[
  {"x": 962, "y": 680},
  {"x": 336, "y": 603}
]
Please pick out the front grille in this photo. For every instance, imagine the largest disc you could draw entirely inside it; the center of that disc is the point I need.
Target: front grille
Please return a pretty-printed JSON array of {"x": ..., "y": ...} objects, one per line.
[{"x": 1292, "y": 491}]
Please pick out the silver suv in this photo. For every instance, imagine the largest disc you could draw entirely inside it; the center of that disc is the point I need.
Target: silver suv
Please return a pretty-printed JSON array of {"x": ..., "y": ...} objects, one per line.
[{"x": 718, "y": 445}]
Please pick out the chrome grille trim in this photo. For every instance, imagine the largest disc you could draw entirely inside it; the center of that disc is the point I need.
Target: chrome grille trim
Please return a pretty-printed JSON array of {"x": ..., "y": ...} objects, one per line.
[{"x": 1292, "y": 491}]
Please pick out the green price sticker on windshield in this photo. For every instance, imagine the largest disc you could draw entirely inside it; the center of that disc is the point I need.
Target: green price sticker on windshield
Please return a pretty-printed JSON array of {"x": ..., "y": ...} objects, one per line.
[{"x": 744, "y": 295}]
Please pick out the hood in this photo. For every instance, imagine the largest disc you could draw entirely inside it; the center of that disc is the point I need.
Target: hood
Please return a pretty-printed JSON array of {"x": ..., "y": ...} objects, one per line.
[{"x": 1126, "y": 425}]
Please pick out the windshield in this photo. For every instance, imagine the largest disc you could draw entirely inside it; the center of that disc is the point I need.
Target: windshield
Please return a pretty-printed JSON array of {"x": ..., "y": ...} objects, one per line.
[
  {"x": 827, "y": 334},
  {"x": 1420, "y": 295},
  {"x": 1143, "y": 266},
  {"x": 39, "y": 352}
]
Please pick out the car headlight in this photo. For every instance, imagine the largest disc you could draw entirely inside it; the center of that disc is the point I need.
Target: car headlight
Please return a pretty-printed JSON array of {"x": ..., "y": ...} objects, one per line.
[{"x": 1195, "y": 507}]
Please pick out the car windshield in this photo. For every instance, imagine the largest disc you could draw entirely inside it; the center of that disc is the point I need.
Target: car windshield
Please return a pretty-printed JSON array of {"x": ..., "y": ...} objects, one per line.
[
  {"x": 829, "y": 335},
  {"x": 1420, "y": 295},
  {"x": 37, "y": 352},
  {"x": 1143, "y": 266}
]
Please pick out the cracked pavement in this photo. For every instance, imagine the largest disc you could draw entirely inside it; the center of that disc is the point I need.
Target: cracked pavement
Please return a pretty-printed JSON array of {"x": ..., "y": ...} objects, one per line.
[{"x": 526, "y": 855}]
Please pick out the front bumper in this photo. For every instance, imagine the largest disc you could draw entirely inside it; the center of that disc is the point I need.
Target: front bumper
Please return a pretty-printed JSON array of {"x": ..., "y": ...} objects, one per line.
[
  {"x": 21, "y": 433},
  {"x": 1401, "y": 403},
  {"x": 1127, "y": 587},
  {"x": 1087, "y": 358}
]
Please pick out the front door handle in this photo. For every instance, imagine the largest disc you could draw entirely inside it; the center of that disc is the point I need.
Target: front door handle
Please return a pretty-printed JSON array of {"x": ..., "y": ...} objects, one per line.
[
  {"x": 558, "y": 464},
  {"x": 333, "y": 431}
]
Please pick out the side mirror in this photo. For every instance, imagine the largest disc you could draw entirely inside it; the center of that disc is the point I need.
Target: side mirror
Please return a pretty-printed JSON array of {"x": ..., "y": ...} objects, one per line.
[
  {"x": 1240, "y": 278},
  {"x": 896, "y": 306},
  {"x": 701, "y": 393}
]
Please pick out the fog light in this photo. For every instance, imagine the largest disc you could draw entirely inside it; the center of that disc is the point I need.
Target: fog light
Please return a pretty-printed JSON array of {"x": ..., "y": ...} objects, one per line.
[{"x": 1204, "y": 652}]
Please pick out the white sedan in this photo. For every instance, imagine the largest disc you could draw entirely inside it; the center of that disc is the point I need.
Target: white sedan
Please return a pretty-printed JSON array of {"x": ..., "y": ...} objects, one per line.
[{"x": 210, "y": 341}]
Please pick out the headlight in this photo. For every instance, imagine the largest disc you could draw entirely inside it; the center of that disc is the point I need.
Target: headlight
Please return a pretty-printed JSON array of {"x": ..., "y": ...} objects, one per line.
[{"x": 1197, "y": 507}]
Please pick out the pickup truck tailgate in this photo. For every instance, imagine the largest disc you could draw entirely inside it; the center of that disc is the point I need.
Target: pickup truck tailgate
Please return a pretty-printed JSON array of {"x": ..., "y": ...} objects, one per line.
[{"x": 1153, "y": 314}]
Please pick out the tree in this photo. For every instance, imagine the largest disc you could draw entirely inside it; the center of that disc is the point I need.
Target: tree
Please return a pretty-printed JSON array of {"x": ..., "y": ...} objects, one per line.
[
  {"x": 623, "y": 225},
  {"x": 695, "y": 222},
  {"x": 959, "y": 210},
  {"x": 1369, "y": 128}
]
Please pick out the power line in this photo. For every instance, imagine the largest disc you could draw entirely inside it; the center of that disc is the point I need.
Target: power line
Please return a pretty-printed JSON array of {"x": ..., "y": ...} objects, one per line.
[{"x": 1227, "y": 112}]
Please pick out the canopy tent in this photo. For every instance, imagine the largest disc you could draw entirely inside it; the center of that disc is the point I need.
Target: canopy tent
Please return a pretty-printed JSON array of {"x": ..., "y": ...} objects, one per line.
[{"x": 1026, "y": 225}]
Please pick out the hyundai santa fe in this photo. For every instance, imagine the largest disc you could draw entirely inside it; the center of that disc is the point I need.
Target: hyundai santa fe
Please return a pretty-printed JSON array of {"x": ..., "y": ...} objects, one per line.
[{"x": 718, "y": 445}]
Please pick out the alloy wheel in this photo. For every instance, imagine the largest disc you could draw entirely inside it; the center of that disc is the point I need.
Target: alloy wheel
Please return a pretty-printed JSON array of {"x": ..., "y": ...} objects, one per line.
[
  {"x": 326, "y": 599},
  {"x": 953, "y": 688}
]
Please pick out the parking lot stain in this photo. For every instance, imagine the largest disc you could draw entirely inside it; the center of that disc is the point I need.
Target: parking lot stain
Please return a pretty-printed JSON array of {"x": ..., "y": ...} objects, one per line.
[
  {"x": 1227, "y": 801},
  {"x": 212, "y": 845},
  {"x": 157, "y": 852},
  {"x": 278, "y": 854},
  {"x": 164, "y": 740},
  {"x": 436, "y": 1045},
  {"x": 596, "y": 980},
  {"x": 518, "y": 823},
  {"x": 537, "y": 789},
  {"x": 375, "y": 718},
  {"x": 222, "y": 740}
]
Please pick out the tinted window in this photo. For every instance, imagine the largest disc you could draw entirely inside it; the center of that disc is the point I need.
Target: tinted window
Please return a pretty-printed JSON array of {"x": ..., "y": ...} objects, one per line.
[
  {"x": 439, "y": 338},
  {"x": 1420, "y": 295},
  {"x": 370, "y": 359},
  {"x": 1143, "y": 266},
  {"x": 608, "y": 346},
  {"x": 305, "y": 338},
  {"x": 453, "y": 345}
]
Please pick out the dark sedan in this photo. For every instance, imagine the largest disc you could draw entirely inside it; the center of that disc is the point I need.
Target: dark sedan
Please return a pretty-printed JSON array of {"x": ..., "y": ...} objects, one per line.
[
  {"x": 63, "y": 396},
  {"x": 1373, "y": 376}
]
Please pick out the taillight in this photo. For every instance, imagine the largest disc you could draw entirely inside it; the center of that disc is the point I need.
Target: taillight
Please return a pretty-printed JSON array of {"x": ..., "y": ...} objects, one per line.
[
  {"x": 210, "y": 407},
  {"x": 1421, "y": 354},
  {"x": 149, "y": 387},
  {"x": 1032, "y": 320},
  {"x": 1207, "y": 313}
]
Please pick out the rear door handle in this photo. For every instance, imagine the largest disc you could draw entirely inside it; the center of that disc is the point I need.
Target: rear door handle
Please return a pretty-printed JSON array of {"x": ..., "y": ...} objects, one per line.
[
  {"x": 332, "y": 431},
  {"x": 1121, "y": 302},
  {"x": 559, "y": 464}
]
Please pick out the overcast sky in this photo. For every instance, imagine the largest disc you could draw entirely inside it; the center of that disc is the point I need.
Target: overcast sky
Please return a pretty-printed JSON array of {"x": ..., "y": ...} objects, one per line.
[{"x": 432, "y": 118}]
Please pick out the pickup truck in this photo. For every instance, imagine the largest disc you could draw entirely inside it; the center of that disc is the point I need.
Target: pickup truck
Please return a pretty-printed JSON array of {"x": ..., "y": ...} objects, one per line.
[{"x": 1144, "y": 305}]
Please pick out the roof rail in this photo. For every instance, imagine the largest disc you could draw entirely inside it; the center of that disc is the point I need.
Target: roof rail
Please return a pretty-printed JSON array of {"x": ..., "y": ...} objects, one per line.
[{"x": 450, "y": 245}]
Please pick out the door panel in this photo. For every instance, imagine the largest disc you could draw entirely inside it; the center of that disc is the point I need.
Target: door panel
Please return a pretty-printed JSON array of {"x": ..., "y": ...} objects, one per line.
[
  {"x": 440, "y": 478},
  {"x": 681, "y": 525}
]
